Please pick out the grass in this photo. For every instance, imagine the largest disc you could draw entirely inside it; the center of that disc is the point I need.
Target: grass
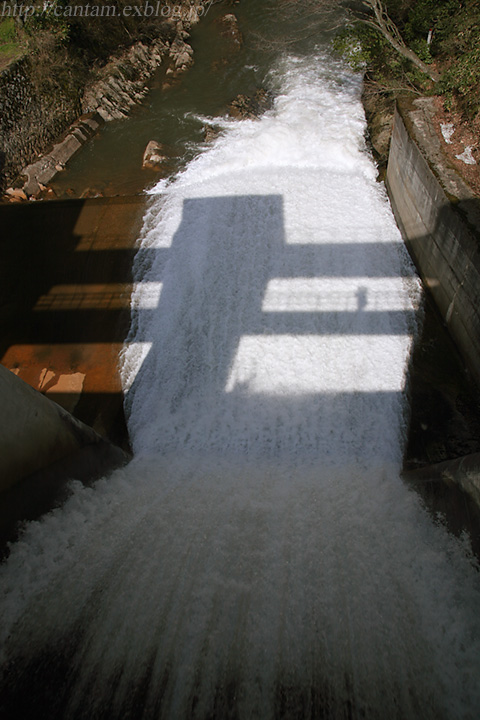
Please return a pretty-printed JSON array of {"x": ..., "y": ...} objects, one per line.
[{"x": 10, "y": 46}]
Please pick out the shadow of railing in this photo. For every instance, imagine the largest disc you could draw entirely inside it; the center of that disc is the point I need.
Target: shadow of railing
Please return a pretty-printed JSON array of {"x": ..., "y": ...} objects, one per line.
[
  {"x": 258, "y": 348},
  {"x": 66, "y": 271},
  {"x": 260, "y": 335}
]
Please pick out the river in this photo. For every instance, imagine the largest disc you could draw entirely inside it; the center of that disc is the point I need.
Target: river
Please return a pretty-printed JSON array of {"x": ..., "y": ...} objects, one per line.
[{"x": 260, "y": 557}]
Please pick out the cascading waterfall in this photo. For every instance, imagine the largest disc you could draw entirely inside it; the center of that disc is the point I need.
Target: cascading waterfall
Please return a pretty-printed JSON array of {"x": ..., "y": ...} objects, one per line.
[{"x": 260, "y": 557}]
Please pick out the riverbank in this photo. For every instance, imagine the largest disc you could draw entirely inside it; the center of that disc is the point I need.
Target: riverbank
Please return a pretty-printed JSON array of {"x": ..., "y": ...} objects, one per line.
[{"x": 39, "y": 103}]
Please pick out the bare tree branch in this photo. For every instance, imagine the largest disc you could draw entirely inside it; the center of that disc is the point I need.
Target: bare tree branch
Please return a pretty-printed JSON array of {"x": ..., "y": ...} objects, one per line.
[{"x": 378, "y": 18}]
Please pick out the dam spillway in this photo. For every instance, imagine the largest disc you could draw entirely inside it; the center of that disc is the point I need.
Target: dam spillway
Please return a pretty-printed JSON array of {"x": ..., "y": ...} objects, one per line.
[{"x": 260, "y": 556}]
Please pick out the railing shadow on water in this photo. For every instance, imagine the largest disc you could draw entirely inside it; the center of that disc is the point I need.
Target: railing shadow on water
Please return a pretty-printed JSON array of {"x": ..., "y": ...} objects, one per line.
[
  {"x": 244, "y": 365},
  {"x": 252, "y": 327},
  {"x": 240, "y": 362}
]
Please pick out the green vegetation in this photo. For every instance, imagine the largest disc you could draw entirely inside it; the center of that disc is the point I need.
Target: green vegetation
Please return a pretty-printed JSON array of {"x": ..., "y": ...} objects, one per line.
[
  {"x": 90, "y": 32},
  {"x": 7, "y": 32},
  {"x": 11, "y": 46},
  {"x": 453, "y": 54},
  {"x": 65, "y": 40}
]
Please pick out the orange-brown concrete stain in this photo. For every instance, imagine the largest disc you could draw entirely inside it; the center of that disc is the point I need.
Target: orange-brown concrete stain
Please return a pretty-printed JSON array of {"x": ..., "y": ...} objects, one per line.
[{"x": 83, "y": 367}]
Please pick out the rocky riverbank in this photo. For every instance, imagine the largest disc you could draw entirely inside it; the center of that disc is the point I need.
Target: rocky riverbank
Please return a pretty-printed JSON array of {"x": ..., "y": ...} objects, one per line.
[{"x": 31, "y": 118}]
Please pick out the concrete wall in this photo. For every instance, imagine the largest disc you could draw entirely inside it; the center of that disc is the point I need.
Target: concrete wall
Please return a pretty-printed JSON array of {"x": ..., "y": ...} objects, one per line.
[
  {"x": 36, "y": 432},
  {"x": 440, "y": 233}
]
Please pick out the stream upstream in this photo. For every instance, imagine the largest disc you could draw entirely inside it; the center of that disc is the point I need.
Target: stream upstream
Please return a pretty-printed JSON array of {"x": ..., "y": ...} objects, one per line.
[{"x": 177, "y": 114}]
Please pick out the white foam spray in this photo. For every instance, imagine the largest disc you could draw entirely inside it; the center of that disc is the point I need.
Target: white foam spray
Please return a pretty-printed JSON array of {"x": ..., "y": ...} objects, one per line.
[{"x": 260, "y": 557}]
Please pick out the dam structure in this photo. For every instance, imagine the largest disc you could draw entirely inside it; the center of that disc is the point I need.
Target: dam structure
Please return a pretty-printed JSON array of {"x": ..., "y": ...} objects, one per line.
[{"x": 260, "y": 556}]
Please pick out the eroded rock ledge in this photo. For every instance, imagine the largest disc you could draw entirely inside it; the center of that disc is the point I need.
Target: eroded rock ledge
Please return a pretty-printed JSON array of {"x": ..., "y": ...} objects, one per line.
[{"x": 123, "y": 82}]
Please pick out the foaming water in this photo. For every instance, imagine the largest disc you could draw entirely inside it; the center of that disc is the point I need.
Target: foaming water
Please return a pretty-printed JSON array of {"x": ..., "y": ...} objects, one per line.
[{"x": 260, "y": 557}]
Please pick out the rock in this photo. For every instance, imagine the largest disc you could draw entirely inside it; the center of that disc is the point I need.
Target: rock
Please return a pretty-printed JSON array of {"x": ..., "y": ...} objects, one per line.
[
  {"x": 91, "y": 193},
  {"x": 245, "y": 107},
  {"x": 210, "y": 133},
  {"x": 16, "y": 193},
  {"x": 181, "y": 54},
  {"x": 381, "y": 138},
  {"x": 154, "y": 157},
  {"x": 183, "y": 61},
  {"x": 123, "y": 81},
  {"x": 379, "y": 113},
  {"x": 47, "y": 193},
  {"x": 229, "y": 29},
  {"x": 178, "y": 47}
]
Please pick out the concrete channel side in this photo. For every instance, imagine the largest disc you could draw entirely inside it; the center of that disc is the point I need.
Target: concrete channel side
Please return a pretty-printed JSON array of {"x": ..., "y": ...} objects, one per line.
[
  {"x": 65, "y": 285},
  {"x": 36, "y": 432},
  {"x": 440, "y": 233},
  {"x": 443, "y": 245}
]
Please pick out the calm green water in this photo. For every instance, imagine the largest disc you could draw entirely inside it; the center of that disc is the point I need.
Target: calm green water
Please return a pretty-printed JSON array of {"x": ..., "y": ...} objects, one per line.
[{"x": 112, "y": 162}]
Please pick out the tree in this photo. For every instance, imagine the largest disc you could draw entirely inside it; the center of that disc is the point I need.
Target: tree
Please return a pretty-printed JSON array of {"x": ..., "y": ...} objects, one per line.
[{"x": 374, "y": 14}]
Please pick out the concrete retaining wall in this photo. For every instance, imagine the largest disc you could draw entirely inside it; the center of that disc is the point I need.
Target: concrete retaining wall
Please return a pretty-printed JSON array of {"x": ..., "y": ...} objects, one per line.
[
  {"x": 36, "y": 432},
  {"x": 29, "y": 118},
  {"x": 441, "y": 234}
]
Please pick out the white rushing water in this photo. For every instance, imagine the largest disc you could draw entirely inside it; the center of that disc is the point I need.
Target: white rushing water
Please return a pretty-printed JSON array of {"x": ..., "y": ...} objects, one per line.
[{"x": 260, "y": 557}]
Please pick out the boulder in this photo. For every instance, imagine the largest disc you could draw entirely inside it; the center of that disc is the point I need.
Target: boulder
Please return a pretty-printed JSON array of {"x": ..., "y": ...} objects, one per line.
[
  {"x": 15, "y": 194},
  {"x": 154, "y": 157},
  {"x": 91, "y": 193},
  {"x": 183, "y": 61},
  {"x": 210, "y": 133},
  {"x": 246, "y": 107},
  {"x": 181, "y": 54},
  {"x": 229, "y": 29}
]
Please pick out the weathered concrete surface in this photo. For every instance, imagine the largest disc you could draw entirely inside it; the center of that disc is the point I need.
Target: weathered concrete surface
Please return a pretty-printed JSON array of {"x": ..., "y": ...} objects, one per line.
[
  {"x": 441, "y": 233},
  {"x": 65, "y": 283},
  {"x": 439, "y": 217},
  {"x": 463, "y": 471},
  {"x": 36, "y": 432}
]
